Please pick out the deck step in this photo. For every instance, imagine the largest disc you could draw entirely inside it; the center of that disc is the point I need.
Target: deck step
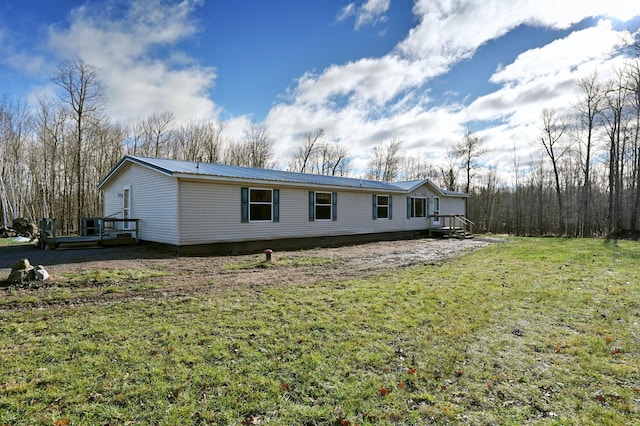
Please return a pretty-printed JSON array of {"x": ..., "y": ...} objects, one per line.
[{"x": 77, "y": 245}]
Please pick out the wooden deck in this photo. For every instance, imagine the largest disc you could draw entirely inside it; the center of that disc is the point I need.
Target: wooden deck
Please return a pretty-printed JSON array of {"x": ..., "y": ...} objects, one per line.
[
  {"x": 96, "y": 232},
  {"x": 453, "y": 226}
]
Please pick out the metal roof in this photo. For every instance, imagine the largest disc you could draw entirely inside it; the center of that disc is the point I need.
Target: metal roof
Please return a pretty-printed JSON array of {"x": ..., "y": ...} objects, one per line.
[{"x": 197, "y": 170}]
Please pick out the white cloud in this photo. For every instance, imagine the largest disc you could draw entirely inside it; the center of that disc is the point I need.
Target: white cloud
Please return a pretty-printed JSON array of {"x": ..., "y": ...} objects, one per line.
[
  {"x": 371, "y": 100},
  {"x": 369, "y": 13},
  {"x": 540, "y": 78},
  {"x": 123, "y": 44},
  {"x": 562, "y": 54},
  {"x": 346, "y": 12}
]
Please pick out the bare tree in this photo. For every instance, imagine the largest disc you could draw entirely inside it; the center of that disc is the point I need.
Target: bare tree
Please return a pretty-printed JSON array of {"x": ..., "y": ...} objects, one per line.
[
  {"x": 304, "y": 154},
  {"x": 83, "y": 95},
  {"x": 213, "y": 141},
  {"x": 254, "y": 151},
  {"x": 385, "y": 161},
  {"x": 554, "y": 128},
  {"x": 633, "y": 86},
  {"x": 259, "y": 145},
  {"x": 589, "y": 106},
  {"x": 469, "y": 150},
  {"x": 615, "y": 126},
  {"x": 158, "y": 131},
  {"x": 14, "y": 174},
  {"x": 331, "y": 159},
  {"x": 198, "y": 141},
  {"x": 51, "y": 134},
  {"x": 449, "y": 172},
  {"x": 414, "y": 168}
]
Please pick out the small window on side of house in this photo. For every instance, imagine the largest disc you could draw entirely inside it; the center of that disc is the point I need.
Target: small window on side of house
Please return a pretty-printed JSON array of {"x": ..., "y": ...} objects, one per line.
[
  {"x": 323, "y": 205},
  {"x": 382, "y": 206}
]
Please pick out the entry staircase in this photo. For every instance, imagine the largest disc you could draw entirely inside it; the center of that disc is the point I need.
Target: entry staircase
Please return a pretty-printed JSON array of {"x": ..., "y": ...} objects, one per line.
[{"x": 451, "y": 226}]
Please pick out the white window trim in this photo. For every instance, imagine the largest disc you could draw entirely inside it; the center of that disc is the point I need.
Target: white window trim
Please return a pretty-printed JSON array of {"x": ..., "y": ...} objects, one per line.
[
  {"x": 315, "y": 206},
  {"x": 413, "y": 207},
  {"x": 378, "y": 205},
  {"x": 126, "y": 211},
  {"x": 261, "y": 203},
  {"x": 434, "y": 212}
]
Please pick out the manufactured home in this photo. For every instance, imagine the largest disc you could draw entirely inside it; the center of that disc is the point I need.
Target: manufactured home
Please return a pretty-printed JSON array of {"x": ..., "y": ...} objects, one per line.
[{"x": 213, "y": 208}]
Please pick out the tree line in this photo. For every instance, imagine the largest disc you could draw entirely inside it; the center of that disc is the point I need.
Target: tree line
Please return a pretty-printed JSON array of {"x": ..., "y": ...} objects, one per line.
[{"x": 583, "y": 181}]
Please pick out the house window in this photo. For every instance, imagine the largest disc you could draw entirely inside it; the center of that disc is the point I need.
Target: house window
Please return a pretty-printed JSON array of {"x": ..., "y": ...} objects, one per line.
[
  {"x": 260, "y": 205},
  {"x": 417, "y": 207},
  {"x": 382, "y": 206},
  {"x": 322, "y": 206}
]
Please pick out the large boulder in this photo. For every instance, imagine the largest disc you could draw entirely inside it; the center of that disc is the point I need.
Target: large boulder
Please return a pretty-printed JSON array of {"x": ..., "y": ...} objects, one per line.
[
  {"x": 23, "y": 272},
  {"x": 7, "y": 232},
  {"x": 25, "y": 228}
]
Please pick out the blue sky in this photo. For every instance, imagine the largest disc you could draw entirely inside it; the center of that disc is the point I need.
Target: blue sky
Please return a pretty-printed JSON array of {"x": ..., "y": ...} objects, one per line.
[{"x": 366, "y": 71}]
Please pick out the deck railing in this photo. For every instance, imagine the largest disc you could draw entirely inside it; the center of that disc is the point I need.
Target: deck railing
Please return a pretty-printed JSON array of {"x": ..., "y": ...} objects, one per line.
[
  {"x": 97, "y": 229},
  {"x": 108, "y": 228},
  {"x": 451, "y": 224}
]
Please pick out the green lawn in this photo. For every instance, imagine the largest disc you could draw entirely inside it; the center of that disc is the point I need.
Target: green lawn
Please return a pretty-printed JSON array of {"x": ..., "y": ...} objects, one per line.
[
  {"x": 531, "y": 331},
  {"x": 4, "y": 242}
]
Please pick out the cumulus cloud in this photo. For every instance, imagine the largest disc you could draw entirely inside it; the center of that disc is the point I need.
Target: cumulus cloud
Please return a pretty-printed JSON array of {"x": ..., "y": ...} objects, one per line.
[
  {"x": 540, "y": 78},
  {"x": 373, "y": 99},
  {"x": 369, "y": 13},
  {"x": 132, "y": 48}
]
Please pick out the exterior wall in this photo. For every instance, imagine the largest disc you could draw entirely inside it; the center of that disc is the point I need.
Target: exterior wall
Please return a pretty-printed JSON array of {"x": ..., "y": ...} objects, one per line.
[
  {"x": 448, "y": 206},
  {"x": 452, "y": 205},
  {"x": 183, "y": 212},
  {"x": 153, "y": 201},
  {"x": 210, "y": 213}
]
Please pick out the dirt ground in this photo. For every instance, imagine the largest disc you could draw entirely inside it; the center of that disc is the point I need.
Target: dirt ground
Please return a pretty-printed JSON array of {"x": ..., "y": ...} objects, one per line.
[{"x": 191, "y": 275}]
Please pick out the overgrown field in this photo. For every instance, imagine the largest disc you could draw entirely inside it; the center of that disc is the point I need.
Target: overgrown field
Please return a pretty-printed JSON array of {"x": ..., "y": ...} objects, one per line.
[{"x": 531, "y": 331}]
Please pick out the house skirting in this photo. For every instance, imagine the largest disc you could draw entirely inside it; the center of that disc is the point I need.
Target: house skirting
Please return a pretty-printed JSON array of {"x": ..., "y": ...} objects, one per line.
[{"x": 287, "y": 244}]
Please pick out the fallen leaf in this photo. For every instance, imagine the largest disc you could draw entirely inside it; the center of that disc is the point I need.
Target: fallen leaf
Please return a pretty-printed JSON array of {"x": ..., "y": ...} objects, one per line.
[
  {"x": 173, "y": 395},
  {"x": 344, "y": 422},
  {"x": 411, "y": 371},
  {"x": 62, "y": 422},
  {"x": 285, "y": 386},
  {"x": 252, "y": 420},
  {"x": 384, "y": 391}
]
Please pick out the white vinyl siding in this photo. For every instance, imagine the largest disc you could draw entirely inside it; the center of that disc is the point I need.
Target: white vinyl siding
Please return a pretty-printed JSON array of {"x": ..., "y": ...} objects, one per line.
[
  {"x": 197, "y": 211},
  {"x": 152, "y": 200},
  {"x": 210, "y": 212}
]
